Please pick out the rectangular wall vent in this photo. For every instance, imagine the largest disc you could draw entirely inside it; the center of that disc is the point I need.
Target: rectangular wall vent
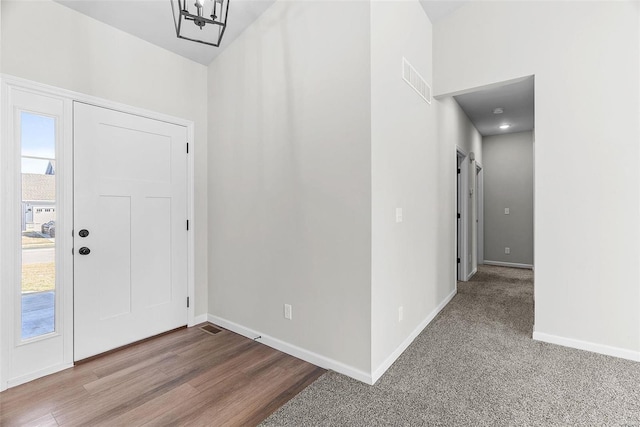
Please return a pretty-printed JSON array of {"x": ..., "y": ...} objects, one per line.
[{"x": 415, "y": 80}]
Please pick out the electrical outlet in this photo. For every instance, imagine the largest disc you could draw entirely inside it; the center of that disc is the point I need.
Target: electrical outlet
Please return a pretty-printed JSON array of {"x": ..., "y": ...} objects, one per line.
[
  {"x": 287, "y": 311},
  {"x": 507, "y": 250},
  {"x": 506, "y": 211},
  {"x": 398, "y": 214},
  {"x": 400, "y": 313}
]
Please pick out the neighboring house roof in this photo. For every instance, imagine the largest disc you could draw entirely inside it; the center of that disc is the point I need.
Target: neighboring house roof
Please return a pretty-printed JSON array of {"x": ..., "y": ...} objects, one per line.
[
  {"x": 51, "y": 168},
  {"x": 38, "y": 187}
]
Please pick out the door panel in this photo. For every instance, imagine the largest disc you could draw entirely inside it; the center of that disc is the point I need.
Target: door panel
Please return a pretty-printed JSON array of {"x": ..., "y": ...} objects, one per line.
[
  {"x": 157, "y": 269},
  {"x": 130, "y": 188},
  {"x": 113, "y": 287}
]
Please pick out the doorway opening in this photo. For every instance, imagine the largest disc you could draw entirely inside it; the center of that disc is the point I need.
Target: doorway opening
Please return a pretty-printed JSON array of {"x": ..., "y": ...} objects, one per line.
[{"x": 500, "y": 218}]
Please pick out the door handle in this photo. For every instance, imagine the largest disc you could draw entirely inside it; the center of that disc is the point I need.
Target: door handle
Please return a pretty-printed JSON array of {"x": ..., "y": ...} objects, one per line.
[
  {"x": 83, "y": 233},
  {"x": 84, "y": 251}
]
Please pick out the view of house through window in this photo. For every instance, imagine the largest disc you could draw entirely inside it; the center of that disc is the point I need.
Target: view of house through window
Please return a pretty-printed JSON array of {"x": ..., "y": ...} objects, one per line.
[{"x": 38, "y": 211}]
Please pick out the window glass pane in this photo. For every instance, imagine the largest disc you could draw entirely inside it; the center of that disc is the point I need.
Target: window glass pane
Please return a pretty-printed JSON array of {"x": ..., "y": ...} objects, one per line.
[
  {"x": 38, "y": 136},
  {"x": 38, "y": 284}
]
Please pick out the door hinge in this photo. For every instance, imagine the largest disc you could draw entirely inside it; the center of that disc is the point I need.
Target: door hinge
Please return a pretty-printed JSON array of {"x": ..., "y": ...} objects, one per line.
[
  {"x": 458, "y": 260},
  {"x": 458, "y": 170},
  {"x": 458, "y": 216},
  {"x": 187, "y": 148},
  {"x": 187, "y": 225},
  {"x": 187, "y": 302}
]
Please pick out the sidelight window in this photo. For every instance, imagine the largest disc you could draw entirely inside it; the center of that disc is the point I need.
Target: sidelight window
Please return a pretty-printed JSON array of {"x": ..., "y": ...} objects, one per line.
[{"x": 38, "y": 223}]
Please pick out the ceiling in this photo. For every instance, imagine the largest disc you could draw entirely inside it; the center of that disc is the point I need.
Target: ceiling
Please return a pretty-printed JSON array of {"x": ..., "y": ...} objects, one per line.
[
  {"x": 438, "y": 9},
  {"x": 515, "y": 98},
  {"x": 152, "y": 20}
]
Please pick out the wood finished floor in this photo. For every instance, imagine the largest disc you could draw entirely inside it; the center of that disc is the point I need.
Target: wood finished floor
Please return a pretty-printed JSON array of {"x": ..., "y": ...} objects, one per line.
[{"x": 187, "y": 377}]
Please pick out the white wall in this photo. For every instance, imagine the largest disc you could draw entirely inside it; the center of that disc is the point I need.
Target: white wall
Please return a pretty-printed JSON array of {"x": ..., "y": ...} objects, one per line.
[
  {"x": 0, "y": 37},
  {"x": 585, "y": 60},
  {"x": 290, "y": 179},
  {"x": 413, "y": 148},
  {"x": 455, "y": 130},
  {"x": 407, "y": 167},
  {"x": 49, "y": 43},
  {"x": 508, "y": 183}
]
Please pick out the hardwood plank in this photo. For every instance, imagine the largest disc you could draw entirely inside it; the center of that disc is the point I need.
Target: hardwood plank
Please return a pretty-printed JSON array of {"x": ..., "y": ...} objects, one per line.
[
  {"x": 95, "y": 406},
  {"x": 187, "y": 377},
  {"x": 39, "y": 418},
  {"x": 47, "y": 420},
  {"x": 136, "y": 370},
  {"x": 235, "y": 407},
  {"x": 195, "y": 367},
  {"x": 207, "y": 341},
  {"x": 216, "y": 385},
  {"x": 231, "y": 367},
  {"x": 208, "y": 356},
  {"x": 153, "y": 408},
  {"x": 28, "y": 402},
  {"x": 141, "y": 352},
  {"x": 210, "y": 400}
]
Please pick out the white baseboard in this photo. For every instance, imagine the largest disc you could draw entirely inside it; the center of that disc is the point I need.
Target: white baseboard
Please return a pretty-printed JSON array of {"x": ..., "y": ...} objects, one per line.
[
  {"x": 588, "y": 346},
  {"x": 407, "y": 342},
  {"x": 509, "y": 264},
  {"x": 35, "y": 375},
  {"x": 474, "y": 271},
  {"x": 199, "y": 319},
  {"x": 293, "y": 350}
]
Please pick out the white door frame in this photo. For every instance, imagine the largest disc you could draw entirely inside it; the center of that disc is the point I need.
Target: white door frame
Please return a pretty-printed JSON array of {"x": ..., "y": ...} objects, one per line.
[
  {"x": 480, "y": 215},
  {"x": 462, "y": 239},
  {"x": 8, "y": 264},
  {"x": 15, "y": 365}
]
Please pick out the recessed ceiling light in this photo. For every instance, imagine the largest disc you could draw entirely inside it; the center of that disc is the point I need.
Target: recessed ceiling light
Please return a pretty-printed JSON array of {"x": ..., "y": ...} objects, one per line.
[
  {"x": 498, "y": 110},
  {"x": 505, "y": 126}
]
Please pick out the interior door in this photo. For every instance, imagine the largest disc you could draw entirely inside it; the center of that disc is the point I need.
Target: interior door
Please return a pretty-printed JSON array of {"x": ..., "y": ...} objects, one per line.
[{"x": 130, "y": 233}]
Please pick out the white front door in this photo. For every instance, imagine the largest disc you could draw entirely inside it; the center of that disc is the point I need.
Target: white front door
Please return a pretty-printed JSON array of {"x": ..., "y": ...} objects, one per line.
[{"x": 130, "y": 228}]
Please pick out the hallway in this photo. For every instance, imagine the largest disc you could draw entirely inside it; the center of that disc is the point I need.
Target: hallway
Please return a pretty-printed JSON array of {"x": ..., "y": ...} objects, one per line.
[{"x": 476, "y": 364}]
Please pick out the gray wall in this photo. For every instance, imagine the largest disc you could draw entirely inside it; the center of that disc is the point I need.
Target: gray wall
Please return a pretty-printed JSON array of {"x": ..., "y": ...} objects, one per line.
[
  {"x": 508, "y": 183},
  {"x": 314, "y": 141},
  {"x": 290, "y": 179}
]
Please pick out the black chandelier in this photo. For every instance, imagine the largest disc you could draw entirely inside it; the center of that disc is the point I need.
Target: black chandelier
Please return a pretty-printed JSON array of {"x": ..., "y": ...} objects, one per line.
[{"x": 208, "y": 20}]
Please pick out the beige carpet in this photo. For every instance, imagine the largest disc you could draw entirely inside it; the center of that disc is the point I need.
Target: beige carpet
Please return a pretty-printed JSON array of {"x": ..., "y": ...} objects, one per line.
[{"x": 476, "y": 364}]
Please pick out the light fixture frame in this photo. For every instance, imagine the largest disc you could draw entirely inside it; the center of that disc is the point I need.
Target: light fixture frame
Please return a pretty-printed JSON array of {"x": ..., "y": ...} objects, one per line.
[{"x": 183, "y": 14}]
